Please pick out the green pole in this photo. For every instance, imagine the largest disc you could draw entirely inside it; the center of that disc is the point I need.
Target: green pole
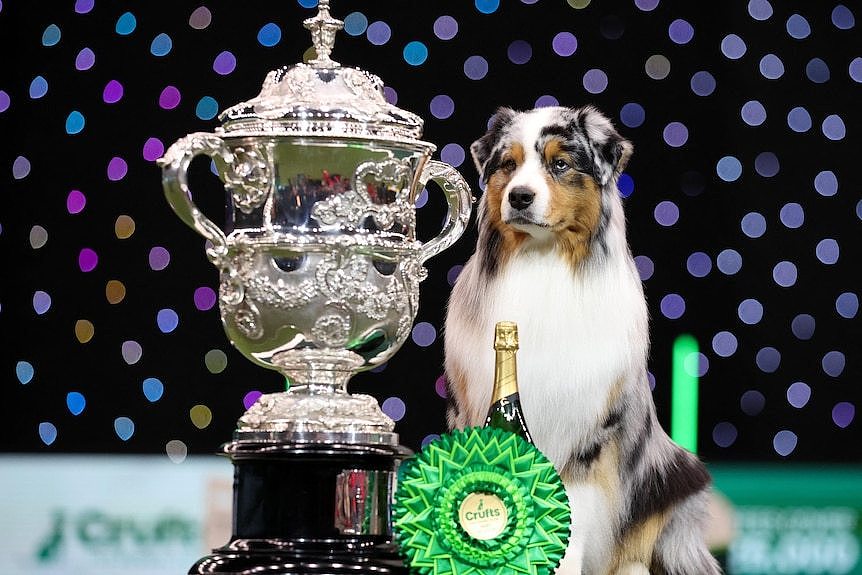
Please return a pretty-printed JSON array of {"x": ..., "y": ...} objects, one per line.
[{"x": 683, "y": 407}]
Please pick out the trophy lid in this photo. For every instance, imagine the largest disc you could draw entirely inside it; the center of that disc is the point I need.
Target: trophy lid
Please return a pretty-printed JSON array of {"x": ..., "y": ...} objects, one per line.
[{"x": 322, "y": 98}]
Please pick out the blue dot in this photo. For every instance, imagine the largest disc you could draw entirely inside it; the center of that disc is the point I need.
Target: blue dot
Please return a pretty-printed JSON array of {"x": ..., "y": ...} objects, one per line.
[
  {"x": 798, "y": 27},
  {"x": 666, "y": 213},
  {"x": 826, "y": 183},
  {"x": 167, "y": 320},
  {"x": 394, "y": 407},
  {"x": 415, "y": 53},
  {"x": 728, "y": 168},
  {"x": 847, "y": 305},
  {"x": 817, "y": 71},
  {"x": 47, "y": 432},
  {"x": 378, "y": 33},
  {"x": 750, "y": 311},
  {"x": 51, "y": 35},
  {"x": 424, "y": 334},
  {"x": 792, "y": 215},
  {"x": 453, "y": 273},
  {"x": 595, "y": 81},
  {"x": 632, "y": 115},
  {"x": 803, "y": 326},
  {"x": 698, "y": 264},
  {"x": 798, "y": 394},
  {"x": 307, "y": 3},
  {"x": 422, "y": 198},
  {"x": 453, "y": 154},
  {"x": 445, "y": 27},
  {"x": 753, "y": 113},
  {"x": 766, "y": 164},
  {"x": 702, "y": 83},
  {"x": 785, "y": 274},
  {"x": 487, "y": 6},
  {"x": 680, "y": 31},
  {"x": 546, "y": 101},
  {"x": 75, "y": 122},
  {"x": 672, "y": 306},
  {"x": 206, "y": 108},
  {"x": 41, "y": 302},
  {"x": 827, "y": 251},
  {"x": 429, "y": 438},
  {"x": 519, "y": 52},
  {"x": 799, "y": 120},
  {"x": 124, "y": 427},
  {"x": 833, "y": 127},
  {"x": 269, "y": 34},
  {"x": 753, "y": 224},
  {"x": 38, "y": 87},
  {"x": 126, "y": 24},
  {"x": 833, "y": 363},
  {"x": 784, "y": 442},
  {"x": 645, "y": 267},
  {"x": 76, "y": 402},
  {"x": 475, "y": 67},
  {"x": 733, "y": 47},
  {"x": 24, "y": 372},
  {"x": 771, "y": 67},
  {"x": 161, "y": 45},
  {"x": 855, "y": 69},
  {"x": 442, "y": 106},
  {"x": 724, "y": 344},
  {"x": 752, "y": 402},
  {"x": 729, "y": 262},
  {"x": 760, "y": 9},
  {"x": 625, "y": 185},
  {"x": 842, "y": 17},
  {"x": 675, "y": 134},
  {"x": 355, "y": 24},
  {"x": 724, "y": 434},
  {"x": 153, "y": 389}
]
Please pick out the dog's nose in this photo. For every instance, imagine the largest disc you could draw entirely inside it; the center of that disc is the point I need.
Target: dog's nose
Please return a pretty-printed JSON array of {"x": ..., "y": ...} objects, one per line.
[{"x": 521, "y": 197}]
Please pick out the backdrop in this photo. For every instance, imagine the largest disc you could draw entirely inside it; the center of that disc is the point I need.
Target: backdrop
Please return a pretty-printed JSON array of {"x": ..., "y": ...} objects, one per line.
[{"x": 743, "y": 202}]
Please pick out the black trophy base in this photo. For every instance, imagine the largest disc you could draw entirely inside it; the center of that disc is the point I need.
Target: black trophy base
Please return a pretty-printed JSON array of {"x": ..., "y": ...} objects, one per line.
[{"x": 309, "y": 508}]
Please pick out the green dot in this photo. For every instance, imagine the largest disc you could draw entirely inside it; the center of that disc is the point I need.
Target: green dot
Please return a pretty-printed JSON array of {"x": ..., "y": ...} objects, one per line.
[{"x": 215, "y": 360}]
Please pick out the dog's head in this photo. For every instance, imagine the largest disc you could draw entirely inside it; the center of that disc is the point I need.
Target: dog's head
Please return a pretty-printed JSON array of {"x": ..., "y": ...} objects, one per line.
[{"x": 547, "y": 171}]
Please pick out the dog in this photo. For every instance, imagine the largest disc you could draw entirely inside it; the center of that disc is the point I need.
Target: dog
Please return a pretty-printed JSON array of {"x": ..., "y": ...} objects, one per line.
[{"x": 552, "y": 256}]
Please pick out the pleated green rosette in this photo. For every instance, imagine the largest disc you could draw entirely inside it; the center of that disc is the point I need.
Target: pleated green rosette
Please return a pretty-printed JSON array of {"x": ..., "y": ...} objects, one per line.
[{"x": 481, "y": 501}]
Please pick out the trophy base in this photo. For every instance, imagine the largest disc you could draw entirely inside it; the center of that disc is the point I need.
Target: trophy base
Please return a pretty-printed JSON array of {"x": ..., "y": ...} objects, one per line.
[{"x": 320, "y": 505}]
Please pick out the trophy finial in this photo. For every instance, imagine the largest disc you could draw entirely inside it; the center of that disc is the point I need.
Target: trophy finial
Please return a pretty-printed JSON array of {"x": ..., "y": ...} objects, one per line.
[{"x": 323, "y": 28}]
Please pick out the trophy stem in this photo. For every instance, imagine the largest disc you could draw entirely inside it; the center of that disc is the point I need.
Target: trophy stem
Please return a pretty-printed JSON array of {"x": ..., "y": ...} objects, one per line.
[{"x": 315, "y": 372}]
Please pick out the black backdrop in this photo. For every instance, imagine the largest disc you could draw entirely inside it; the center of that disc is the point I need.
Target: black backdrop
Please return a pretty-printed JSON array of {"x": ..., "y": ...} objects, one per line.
[{"x": 769, "y": 385}]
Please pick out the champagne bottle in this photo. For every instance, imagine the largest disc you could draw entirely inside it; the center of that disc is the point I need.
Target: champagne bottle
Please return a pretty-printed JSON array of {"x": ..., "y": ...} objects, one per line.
[{"x": 506, "y": 412}]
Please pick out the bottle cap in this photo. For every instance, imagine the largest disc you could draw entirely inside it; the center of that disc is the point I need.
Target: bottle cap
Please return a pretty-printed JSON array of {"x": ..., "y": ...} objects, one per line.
[{"x": 506, "y": 336}]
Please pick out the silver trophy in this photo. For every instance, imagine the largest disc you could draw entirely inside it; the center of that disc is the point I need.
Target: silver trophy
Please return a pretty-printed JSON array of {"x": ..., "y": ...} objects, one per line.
[{"x": 319, "y": 279}]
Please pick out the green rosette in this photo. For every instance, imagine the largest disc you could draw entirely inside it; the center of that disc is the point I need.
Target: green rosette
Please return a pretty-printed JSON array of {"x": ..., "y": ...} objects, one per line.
[{"x": 481, "y": 501}]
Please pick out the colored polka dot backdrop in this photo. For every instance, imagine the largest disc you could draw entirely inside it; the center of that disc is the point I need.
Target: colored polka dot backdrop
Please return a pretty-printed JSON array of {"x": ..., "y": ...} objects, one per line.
[{"x": 742, "y": 198}]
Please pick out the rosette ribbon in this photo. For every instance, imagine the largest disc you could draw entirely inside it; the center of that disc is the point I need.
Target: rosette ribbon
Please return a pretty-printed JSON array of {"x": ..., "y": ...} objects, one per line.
[{"x": 434, "y": 486}]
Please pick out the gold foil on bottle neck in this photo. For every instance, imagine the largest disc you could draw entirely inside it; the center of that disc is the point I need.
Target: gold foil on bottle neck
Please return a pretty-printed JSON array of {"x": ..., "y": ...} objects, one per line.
[{"x": 506, "y": 336}]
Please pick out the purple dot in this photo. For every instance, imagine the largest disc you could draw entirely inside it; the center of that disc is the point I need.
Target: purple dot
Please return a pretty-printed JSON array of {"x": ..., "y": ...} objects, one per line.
[
  {"x": 729, "y": 262},
  {"x": 854, "y": 69},
  {"x": 87, "y": 260},
  {"x": 117, "y": 169},
  {"x": 752, "y": 402},
  {"x": 771, "y": 67},
  {"x": 20, "y": 168},
  {"x": 453, "y": 273},
  {"x": 768, "y": 359},
  {"x": 424, "y": 334},
  {"x": 724, "y": 343},
  {"x": 847, "y": 305},
  {"x": 169, "y": 98},
  {"x": 131, "y": 351},
  {"x": 445, "y": 27},
  {"x": 733, "y": 47},
  {"x": 378, "y": 33},
  {"x": 703, "y": 83},
  {"x": 5, "y": 101},
  {"x": 41, "y": 302},
  {"x": 251, "y": 398},
  {"x": 842, "y": 17},
  {"x": 564, "y": 44},
  {"x": 784, "y": 442},
  {"x": 799, "y": 120},
  {"x": 595, "y": 81},
  {"x": 422, "y": 198},
  {"x": 699, "y": 264},
  {"x": 546, "y": 101},
  {"x": 833, "y": 363},
  {"x": 442, "y": 106},
  {"x": 519, "y": 52},
  {"x": 224, "y": 63},
  {"x": 113, "y": 92},
  {"x": 453, "y": 154},
  {"x": 153, "y": 149},
  {"x": 826, "y": 183},
  {"x": 792, "y": 215},
  {"x": 440, "y": 386},
  {"x": 724, "y": 434},
  {"x": 645, "y": 267},
  {"x": 750, "y": 311},
  {"x": 159, "y": 258},
  {"x": 205, "y": 298},
  {"x": 394, "y": 407},
  {"x": 680, "y": 31},
  {"x": 798, "y": 27},
  {"x": 632, "y": 114},
  {"x": 753, "y": 225},
  {"x": 390, "y": 94},
  {"x": 666, "y": 213},
  {"x": 646, "y": 5},
  {"x": 85, "y": 59},
  {"x": 429, "y": 438},
  {"x": 817, "y": 71},
  {"x": 475, "y": 67},
  {"x": 753, "y": 113},
  {"x": 651, "y": 380},
  {"x": 84, "y": 6},
  {"x": 798, "y": 394},
  {"x": 75, "y": 202},
  {"x": 843, "y": 414},
  {"x": 803, "y": 326},
  {"x": 760, "y": 9},
  {"x": 675, "y": 134},
  {"x": 672, "y": 306},
  {"x": 827, "y": 251},
  {"x": 833, "y": 127},
  {"x": 785, "y": 274}
]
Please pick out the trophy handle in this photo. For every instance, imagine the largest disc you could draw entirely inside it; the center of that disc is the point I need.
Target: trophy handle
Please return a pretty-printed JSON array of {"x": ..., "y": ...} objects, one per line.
[
  {"x": 460, "y": 202},
  {"x": 175, "y": 164}
]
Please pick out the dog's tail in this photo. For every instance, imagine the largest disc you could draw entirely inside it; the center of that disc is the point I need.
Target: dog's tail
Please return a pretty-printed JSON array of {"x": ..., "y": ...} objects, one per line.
[{"x": 680, "y": 550}]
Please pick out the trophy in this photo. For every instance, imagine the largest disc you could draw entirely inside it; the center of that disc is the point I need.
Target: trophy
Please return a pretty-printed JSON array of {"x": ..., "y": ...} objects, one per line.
[{"x": 319, "y": 279}]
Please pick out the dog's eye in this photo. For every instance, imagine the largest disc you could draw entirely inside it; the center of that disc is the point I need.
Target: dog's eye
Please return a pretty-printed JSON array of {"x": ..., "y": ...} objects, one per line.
[
  {"x": 508, "y": 166},
  {"x": 560, "y": 166}
]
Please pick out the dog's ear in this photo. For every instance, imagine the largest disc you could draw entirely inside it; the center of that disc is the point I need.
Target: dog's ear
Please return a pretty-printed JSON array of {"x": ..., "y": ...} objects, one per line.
[
  {"x": 610, "y": 150},
  {"x": 482, "y": 148}
]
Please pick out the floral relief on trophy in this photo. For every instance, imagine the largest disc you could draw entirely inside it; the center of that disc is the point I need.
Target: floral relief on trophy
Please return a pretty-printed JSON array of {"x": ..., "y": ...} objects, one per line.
[{"x": 247, "y": 177}]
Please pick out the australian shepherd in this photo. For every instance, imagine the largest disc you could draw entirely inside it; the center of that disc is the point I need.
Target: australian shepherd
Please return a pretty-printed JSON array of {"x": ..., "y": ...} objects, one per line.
[{"x": 552, "y": 256}]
